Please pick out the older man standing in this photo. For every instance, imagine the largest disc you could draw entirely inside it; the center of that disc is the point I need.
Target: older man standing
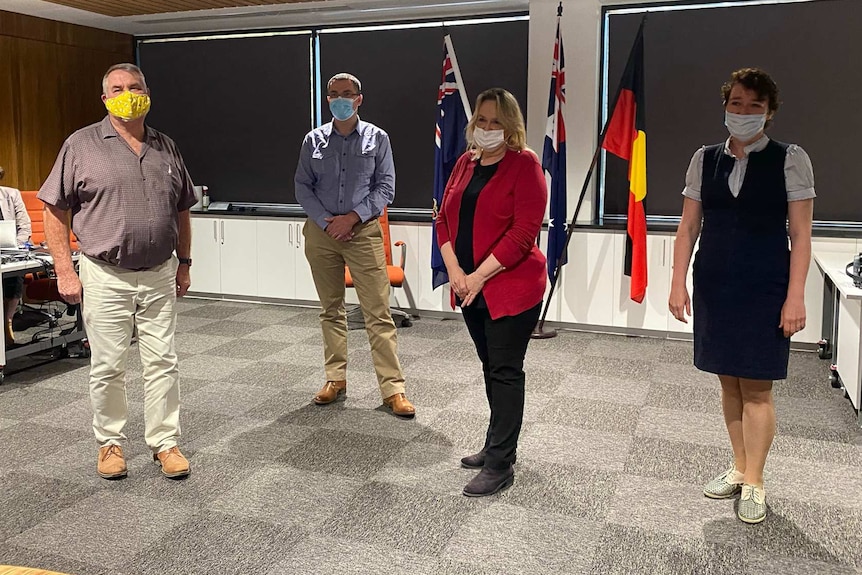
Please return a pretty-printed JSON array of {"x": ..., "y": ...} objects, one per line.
[
  {"x": 129, "y": 193},
  {"x": 344, "y": 180}
]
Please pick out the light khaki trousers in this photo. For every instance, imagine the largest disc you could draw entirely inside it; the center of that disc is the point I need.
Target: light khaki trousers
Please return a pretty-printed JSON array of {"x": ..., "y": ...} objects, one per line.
[
  {"x": 367, "y": 260},
  {"x": 115, "y": 301}
]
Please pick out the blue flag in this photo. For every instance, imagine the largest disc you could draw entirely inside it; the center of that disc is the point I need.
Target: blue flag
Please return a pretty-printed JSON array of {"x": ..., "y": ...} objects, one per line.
[
  {"x": 554, "y": 159},
  {"x": 451, "y": 142}
]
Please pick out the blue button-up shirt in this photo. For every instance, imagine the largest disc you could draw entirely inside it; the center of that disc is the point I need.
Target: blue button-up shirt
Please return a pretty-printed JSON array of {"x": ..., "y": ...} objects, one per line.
[{"x": 339, "y": 174}]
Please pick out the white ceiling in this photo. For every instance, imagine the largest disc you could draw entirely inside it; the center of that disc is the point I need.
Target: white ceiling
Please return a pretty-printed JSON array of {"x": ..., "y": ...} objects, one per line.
[{"x": 316, "y": 13}]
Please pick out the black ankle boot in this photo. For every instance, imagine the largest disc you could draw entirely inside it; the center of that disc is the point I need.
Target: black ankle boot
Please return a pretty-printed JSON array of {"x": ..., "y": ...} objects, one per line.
[
  {"x": 490, "y": 481},
  {"x": 475, "y": 461}
]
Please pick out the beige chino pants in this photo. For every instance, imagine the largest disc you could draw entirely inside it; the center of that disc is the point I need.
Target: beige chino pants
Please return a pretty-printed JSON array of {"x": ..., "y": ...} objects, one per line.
[
  {"x": 115, "y": 301},
  {"x": 367, "y": 260}
]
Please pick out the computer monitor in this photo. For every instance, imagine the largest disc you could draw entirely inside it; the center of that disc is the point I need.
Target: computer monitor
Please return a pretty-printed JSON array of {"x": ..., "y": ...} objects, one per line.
[{"x": 8, "y": 235}]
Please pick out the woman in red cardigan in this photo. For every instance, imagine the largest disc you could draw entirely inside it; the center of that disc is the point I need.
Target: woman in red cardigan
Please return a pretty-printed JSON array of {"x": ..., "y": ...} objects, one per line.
[{"x": 487, "y": 227}]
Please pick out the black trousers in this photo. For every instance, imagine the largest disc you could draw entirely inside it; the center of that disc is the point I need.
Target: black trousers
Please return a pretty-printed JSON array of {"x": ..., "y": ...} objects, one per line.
[{"x": 501, "y": 345}]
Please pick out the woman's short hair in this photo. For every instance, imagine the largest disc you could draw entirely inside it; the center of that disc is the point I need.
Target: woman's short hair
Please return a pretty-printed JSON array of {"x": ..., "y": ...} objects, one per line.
[
  {"x": 757, "y": 81},
  {"x": 508, "y": 114},
  {"x": 130, "y": 68}
]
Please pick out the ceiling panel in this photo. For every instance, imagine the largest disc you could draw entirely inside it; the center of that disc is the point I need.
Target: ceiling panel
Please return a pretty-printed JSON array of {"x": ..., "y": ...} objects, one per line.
[{"x": 113, "y": 8}]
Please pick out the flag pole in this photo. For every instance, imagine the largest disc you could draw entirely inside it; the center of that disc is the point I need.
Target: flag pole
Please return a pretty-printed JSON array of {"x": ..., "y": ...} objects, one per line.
[
  {"x": 457, "y": 69},
  {"x": 539, "y": 331}
]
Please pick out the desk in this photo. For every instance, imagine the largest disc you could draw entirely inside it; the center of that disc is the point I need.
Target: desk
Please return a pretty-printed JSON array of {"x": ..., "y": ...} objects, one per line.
[
  {"x": 56, "y": 338},
  {"x": 842, "y": 324}
]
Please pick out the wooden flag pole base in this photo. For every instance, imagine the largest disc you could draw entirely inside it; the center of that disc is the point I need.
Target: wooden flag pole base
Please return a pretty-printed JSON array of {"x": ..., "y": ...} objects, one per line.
[{"x": 539, "y": 332}]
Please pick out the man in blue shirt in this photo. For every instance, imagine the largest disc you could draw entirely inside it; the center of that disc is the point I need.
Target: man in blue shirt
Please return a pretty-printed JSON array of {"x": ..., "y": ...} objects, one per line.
[{"x": 344, "y": 180}]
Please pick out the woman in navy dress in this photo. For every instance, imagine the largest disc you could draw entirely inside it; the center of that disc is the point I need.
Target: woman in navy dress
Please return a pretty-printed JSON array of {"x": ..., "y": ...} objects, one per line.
[{"x": 744, "y": 197}]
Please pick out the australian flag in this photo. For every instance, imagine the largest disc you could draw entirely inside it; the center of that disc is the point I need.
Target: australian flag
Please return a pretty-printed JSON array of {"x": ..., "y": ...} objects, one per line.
[
  {"x": 554, "y": 157},
  {"x": 451, "y": 143}
]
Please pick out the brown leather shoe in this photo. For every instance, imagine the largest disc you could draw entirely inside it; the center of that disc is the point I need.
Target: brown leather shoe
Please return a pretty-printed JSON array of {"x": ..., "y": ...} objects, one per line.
[
  {"x": 174, "y": 464},
  {"x": 10, "y": 335},
  {"x": 330, "y": 392},
  {"x": 112, "y": 464},
  {"x": 400, "y": 405}
]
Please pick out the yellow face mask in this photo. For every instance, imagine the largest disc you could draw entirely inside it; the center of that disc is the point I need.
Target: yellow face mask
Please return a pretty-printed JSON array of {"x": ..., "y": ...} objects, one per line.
[{"x": 128, "y": 105}]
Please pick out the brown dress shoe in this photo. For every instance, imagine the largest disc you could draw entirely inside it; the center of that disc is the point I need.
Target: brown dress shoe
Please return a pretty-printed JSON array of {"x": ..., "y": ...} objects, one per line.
[
  {"x": 112, "y": 464},
  {"x": 330, "y": 392},
  {"x": 174, "y": 464},
  {"x": 10, "y": 335},
  {"x": 400, "y": 405}
]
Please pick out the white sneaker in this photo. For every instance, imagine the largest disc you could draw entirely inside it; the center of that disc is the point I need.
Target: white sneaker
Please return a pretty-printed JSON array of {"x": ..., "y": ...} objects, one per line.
[
  {"x": 725, "y": 485},
  {"x": 752, "y": 504}
]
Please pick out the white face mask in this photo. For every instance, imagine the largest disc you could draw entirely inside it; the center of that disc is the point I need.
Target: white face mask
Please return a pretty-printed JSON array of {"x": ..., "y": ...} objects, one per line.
[
  {"x": 744, "y": 127},
  {"x": 488, "y": 139}
]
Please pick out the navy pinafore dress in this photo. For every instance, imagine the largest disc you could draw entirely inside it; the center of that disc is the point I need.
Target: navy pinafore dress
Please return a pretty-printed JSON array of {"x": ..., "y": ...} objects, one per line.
[{"x": 742, "y": 267}]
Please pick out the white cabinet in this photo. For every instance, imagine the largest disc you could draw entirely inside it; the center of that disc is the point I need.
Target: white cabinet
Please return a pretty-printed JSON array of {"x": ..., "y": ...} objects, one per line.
[
  {"x": 303, "y": 279},
  {"x": 652, "y": 313},
  {"x": 224, "y": 254},
  {"x": 673, "y": 324},
  {"x": 206, "y": 256},
  {"x": 814, "y": 287},
  {"x": 417, "y": 291},
  {"x": 584, "y": 295},
  {"x": 283, "y": 271},
  {"x": 848, "y": 358}
]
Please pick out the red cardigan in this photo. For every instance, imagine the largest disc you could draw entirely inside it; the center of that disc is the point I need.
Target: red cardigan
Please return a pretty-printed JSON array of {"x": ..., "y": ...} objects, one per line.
[{"x": 509, "y": 214}]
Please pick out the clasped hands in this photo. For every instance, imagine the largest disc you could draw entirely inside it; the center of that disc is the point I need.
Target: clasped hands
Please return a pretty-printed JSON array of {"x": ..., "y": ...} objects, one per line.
[
  {"x": 341, "y": 227},
  {"x": 466, "y": 287}
]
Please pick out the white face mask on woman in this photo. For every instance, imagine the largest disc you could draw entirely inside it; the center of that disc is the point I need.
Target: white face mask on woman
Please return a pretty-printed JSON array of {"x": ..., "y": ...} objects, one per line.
[
  {"x": 488, "y": 139},
  {"x": 744, "y": 127}
]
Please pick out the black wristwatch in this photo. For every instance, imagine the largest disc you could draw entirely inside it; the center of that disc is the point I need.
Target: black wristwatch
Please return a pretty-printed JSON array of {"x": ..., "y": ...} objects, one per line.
[{"x": 187, "y": 261}]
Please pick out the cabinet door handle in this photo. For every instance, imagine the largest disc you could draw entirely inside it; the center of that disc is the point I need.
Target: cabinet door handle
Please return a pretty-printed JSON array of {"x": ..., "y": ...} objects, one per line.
[
  {"x": 298, "y": 236},
  {"x": 215, "y": 231},
  {"x": 222, "y": 231},
  {"x": 290, "y": 235},
  {"x": 664, "y": 252}
]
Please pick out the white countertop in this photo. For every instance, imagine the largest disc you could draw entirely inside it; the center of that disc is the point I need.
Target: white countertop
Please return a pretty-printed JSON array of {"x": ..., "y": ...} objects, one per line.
[{"x": 833, "y": 265}]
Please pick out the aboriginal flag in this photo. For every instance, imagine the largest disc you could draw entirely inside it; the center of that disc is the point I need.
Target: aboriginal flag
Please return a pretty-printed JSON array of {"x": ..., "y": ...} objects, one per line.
[{"x": 625, "y": 137}]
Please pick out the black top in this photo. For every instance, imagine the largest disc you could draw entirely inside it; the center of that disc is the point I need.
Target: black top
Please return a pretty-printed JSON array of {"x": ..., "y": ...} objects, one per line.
[{"x": 466, "y": 215}]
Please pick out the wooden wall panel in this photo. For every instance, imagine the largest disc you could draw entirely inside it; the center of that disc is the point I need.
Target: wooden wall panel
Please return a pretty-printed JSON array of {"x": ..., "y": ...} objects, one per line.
[
  {"x": 111, "y": 8},
  {"x": 9, "y": 111},
  {"x": 53, "y": 89},
  {"x": 32, "y": 28}
]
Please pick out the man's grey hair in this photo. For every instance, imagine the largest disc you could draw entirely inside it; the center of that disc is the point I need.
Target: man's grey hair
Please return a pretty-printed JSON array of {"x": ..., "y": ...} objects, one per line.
[
  {"x": 345, "y": 76},
  {"x": 130, "y": 68}
]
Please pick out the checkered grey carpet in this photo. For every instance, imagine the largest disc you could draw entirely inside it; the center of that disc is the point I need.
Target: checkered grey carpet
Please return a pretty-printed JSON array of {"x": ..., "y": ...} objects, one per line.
[{"x": 620, "y": 434}]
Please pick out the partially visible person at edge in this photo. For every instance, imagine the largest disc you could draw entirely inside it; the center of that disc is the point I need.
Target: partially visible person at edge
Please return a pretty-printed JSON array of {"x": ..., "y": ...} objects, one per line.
[
  {"x": 344, "y": 179},
  {"x": 12, "y": 208},
  {"x": 490, "y": 217},
  {"x": 129, "y": 195},
  {"x": 740, "y": 196}
]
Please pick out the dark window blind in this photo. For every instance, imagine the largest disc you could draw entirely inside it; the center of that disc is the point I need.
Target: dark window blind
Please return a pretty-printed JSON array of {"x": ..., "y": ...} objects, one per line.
[
  {"x": 238, "y": 109},
  {"x": 807, "y": 47},
  {"x": 400, "y": 71}
]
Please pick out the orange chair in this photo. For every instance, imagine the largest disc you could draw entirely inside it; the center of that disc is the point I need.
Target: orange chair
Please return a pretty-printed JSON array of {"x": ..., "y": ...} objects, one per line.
[
  {"x": 35, "y": 209},
  {"x": 395, "y": 273}
]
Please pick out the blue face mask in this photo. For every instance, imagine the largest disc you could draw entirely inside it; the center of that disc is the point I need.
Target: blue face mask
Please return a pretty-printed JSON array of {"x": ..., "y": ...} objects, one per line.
[{"x": 341, "y": 108}]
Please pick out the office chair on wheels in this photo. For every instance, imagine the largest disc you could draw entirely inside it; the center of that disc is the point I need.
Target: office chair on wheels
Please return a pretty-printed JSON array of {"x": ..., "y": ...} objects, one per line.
[
  {"x": 40, "y": 288},
  {"x": 396, "y": 278}
]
